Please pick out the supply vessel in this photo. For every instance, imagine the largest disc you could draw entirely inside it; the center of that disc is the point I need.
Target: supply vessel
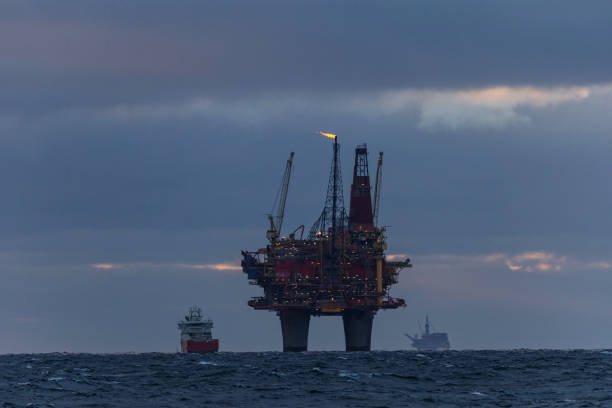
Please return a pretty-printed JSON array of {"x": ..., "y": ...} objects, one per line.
[
  {"x": 429, "y": 341},
  {"x": 338, "y": 269},
  {"x": 196, "y": 333}
]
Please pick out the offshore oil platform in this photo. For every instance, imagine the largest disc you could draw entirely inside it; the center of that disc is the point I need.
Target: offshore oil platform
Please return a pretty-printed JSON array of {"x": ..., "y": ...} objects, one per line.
[
  {"x": 339, "y": 269},
  {"x": 430, "y": 341}
]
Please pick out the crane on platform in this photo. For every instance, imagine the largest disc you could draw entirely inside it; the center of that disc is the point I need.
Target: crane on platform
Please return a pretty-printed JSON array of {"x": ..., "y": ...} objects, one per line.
[
  {"x": 378, "y": 187},
  {"x": 276, "y": 218}
]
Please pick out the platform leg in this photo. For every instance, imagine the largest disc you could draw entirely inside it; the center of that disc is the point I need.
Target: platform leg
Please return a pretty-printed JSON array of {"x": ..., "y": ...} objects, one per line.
[
  {"x": 357, "y": 329},
  {"x": 294, "y": 324}
]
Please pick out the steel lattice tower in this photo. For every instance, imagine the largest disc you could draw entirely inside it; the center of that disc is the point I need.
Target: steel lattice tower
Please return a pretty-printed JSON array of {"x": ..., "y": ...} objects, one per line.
[{"x": 333, "y": 218}]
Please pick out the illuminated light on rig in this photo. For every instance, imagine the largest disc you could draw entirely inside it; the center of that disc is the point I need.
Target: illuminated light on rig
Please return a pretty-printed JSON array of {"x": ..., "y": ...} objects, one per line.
[{"x": 330, "y": 135}]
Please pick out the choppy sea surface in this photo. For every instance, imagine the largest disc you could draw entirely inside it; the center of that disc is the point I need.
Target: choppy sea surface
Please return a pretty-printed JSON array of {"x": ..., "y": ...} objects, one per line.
[{"x": 521, "y": 378}]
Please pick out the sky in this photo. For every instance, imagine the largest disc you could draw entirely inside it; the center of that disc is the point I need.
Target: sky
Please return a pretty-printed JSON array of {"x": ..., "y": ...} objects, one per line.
[{"x": 143, "y": 142}]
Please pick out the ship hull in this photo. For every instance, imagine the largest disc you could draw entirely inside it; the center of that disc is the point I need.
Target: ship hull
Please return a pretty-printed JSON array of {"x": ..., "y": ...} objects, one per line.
[{"x": 192, "y": 346}]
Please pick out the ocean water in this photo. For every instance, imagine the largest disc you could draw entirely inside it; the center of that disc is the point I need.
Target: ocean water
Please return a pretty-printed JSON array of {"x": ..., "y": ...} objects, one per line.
[{"x": 521, "y": 378}]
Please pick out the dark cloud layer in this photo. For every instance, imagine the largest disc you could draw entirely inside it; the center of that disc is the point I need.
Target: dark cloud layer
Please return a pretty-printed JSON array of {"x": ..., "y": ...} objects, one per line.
[
  {"x": 76, "y": 53},
  {"x": 152, "y": 136}
]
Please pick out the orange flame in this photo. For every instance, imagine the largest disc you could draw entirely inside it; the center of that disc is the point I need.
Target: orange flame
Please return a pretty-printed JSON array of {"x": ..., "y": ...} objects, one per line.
[{"x": 331, "y": 136}]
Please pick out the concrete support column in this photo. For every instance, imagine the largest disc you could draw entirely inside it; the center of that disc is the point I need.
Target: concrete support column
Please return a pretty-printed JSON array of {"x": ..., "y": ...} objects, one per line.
[
  {"x": 294, "y": 324},
  {"x": 357, "y": 329}
]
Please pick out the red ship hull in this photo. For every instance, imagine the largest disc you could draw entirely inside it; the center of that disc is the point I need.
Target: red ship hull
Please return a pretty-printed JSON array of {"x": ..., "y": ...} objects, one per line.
[{"x": 191, "y": 346}]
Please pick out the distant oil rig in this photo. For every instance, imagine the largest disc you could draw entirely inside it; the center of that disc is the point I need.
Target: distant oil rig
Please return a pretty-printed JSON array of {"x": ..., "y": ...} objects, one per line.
[
  {"x": 338, "y": 270},
  {"x": 429, "y": 341}
]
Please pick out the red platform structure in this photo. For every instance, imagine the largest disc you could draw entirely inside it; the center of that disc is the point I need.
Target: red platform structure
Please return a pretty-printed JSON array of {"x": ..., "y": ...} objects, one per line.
[{"x": 338, "y": 270}]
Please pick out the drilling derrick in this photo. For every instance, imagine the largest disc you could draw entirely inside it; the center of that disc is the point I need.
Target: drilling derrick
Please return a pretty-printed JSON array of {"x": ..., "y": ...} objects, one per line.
[
  {"x": 338, "y": 270},
  {"x": 361, "y": 217},
  {"x": 330, "y": 227}
]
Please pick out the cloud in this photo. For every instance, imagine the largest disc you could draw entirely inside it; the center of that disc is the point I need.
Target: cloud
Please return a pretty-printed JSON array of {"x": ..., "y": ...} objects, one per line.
[
  {"x": 190, "y": 108},
  {"x": 222, "y": 266},
  {"x": 533, "y": 256},
  {"x": 280, "y": 46},
  {"x": 490, "y": 108},
  {"x": 105, "y": 266},
  {"x": 492, "y": 257},
  {"x": 513, "y": 267},
  {"x": 538, "y": 261},
  {"x": 600, "y": 265},
  {"x": 245, "y": 110},
  {"x": 395, "y": 257},
  {"x": 454, "y": 114},
  {"x": 524, "y": 262}
]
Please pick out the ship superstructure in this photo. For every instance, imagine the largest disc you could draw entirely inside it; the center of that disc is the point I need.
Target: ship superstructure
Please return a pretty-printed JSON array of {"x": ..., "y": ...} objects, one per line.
[
  {"x": 196, "y": 333},
  {"x": 429, "y": 341},
  {"x": 339, "y": 269}
]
